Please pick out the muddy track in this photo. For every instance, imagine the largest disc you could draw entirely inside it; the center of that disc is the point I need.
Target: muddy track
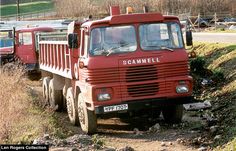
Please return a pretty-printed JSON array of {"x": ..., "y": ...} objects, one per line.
[{"x": 141, "y": 133}]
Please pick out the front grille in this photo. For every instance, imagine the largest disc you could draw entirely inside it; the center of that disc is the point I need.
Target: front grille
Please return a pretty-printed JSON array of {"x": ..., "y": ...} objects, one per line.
[
  {"x": 98, "y": 76},
  {"x": 141, "y": 73},
  {"x": 143, "y": 89},
  {"x": 137, "y": 81},
  {"x": 173, "y": 69}
]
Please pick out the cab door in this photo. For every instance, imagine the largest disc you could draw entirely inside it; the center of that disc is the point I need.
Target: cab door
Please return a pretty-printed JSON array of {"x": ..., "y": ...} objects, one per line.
[{"x": 25, "y": 49}]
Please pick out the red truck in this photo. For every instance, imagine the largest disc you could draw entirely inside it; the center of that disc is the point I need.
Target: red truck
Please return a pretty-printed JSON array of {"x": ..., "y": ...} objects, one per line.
[
  {"x": 124, "y": 63},
  {"x": 21, "y": 45}
]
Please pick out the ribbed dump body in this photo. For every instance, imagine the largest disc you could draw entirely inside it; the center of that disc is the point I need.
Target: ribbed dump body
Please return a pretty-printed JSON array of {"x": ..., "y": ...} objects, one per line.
[
  {"x": 138, "y": 81},
  {"x": 54, "y": 54}
]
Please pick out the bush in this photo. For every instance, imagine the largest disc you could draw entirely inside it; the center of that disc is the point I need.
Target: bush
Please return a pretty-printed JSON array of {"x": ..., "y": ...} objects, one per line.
[{"x": 197, "y": 65}]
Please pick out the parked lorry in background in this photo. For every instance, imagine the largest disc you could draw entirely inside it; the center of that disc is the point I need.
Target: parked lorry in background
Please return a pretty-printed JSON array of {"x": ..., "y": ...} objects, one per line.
[
  {"x": 6, "y": 45},
  {"x": 20, "y": 45},
  {"x": 124, "y": 64}
]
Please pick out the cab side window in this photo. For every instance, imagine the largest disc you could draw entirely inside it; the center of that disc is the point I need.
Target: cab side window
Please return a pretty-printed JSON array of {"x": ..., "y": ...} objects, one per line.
[{"x": 25, "y": 38}]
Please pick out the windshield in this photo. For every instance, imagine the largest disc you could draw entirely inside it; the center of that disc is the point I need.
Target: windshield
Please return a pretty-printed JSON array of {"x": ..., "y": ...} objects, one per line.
[
  {"x": 112, "y": 40},
  {"x": 6, "y": 39},
  {"x": 160, "y": 36}
]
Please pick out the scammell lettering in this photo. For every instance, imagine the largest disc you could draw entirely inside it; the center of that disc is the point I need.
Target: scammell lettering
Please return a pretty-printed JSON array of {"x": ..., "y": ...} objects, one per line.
[{"x": 140, "y": 61}]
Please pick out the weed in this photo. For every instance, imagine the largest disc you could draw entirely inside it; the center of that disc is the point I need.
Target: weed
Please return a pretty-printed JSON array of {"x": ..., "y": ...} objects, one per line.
[
  {"x": 98, "y": 141},
  {"x": 197, "y": 64}
]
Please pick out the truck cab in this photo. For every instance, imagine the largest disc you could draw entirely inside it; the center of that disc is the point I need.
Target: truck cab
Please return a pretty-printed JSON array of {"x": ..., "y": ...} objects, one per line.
[
  {"x": 25, "y": 46},
  {"x": 133, "y": 62}
]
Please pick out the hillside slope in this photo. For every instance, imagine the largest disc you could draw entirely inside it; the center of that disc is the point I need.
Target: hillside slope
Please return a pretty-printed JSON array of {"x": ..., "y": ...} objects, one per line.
[{"x": 221, "y": 58}]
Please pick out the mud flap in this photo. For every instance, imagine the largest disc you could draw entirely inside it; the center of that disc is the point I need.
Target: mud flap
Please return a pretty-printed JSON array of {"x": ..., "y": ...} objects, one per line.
[{"x": 197, "y": 106}]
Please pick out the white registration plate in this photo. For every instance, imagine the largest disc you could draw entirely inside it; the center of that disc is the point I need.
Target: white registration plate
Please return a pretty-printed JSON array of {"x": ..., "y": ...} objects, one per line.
[{"x": 116, "y": 108}]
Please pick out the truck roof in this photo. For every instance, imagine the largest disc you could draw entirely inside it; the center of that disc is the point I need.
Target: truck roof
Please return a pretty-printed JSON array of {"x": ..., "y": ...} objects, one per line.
[
  {"x": 131, "y": 18},
  {"x": 36, "y": 29},
  {"x": 6, "y": 29}
]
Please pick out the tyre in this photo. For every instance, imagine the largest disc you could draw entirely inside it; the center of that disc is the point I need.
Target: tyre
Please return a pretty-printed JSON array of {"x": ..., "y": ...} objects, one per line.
[
  {"x": 55, "y": 97},
  {"x": 46, "y": 81},
  {"x": 72, "y": 110},
  {"x": 64, "y": 93},
  {"x": 173, "y": 114},
  {"x": 154, "y": 113},
  {"x": 87, "y": 118}
]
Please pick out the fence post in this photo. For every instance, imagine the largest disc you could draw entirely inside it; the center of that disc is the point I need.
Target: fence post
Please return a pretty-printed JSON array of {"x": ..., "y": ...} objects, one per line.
[
  {"x": 215, "y": 19},
  {"x": 198, "y": 18}
]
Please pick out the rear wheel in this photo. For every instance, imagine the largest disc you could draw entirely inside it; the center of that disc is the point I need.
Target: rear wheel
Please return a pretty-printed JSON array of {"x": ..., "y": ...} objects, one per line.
[
  {"x": 72, "y": 107},
  {"x": 173, "y": 114},
  {"x": 87, "y": 118},
  {"x": 55, "y": 97},
  {"x": 46, "y": 81},
  {"x": 64, "y": 93}
]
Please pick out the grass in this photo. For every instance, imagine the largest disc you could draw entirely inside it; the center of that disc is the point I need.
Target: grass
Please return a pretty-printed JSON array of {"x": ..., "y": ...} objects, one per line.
[
  {"x": 221, "y": 30},
  {"x": 215, "y": 54},
  {"x": 222, "y": 57},
  {"x": 231, "y": 146},
  {"x": 21, "y": 115},
  {"x": 11, "y": 9},
  {"x": 10, "y": 110}
]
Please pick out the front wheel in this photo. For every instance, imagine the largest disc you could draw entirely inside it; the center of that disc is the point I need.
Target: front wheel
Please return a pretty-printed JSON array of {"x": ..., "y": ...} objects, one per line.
[
  {"x": 173, "y": 114},
  {"x": 87, "y": 118}
]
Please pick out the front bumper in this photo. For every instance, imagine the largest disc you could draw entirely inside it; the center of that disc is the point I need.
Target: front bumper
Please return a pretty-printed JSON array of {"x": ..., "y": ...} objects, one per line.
[{"x": 148, "y": 103}]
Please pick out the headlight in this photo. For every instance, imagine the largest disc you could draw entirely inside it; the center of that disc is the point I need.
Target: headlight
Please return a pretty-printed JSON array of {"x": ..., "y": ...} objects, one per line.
[
  {"x": 103, "y": 94},
  {"x": 182, "y": 89},
  {"x": 103, "y": 97}
]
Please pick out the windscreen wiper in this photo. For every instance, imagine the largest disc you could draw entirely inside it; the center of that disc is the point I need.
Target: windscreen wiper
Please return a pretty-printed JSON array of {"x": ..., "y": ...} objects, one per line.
[
  {"x": 161, "y": 47},
  {"x": 167, "y": 48},
  {"x": 110, "y": 51}
]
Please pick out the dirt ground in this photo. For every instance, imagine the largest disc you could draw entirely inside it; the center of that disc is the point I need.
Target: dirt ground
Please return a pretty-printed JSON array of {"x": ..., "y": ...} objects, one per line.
[
  {"x": 140, "y": 133},
  {"x": 166, "y": 138}
]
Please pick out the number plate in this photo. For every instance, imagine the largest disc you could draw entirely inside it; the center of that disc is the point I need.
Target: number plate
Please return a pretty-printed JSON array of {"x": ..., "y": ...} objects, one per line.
[{"x": 116, "y": 108}]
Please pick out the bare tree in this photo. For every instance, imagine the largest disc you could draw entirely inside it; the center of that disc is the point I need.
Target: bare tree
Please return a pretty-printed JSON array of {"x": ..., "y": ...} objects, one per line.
[{"x": 78, "y": 8}]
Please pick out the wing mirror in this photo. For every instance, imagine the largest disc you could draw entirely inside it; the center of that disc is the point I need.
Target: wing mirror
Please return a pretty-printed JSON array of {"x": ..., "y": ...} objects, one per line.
[
  {"x": 73, "y": 40},
  {"x": 189, "y": 38}
]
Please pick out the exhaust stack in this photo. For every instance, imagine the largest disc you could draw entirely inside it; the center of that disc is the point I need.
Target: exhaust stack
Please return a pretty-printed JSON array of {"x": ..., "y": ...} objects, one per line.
[
  {"x": 145, "y": 9},
  {"x": 114, "y": 10}
]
